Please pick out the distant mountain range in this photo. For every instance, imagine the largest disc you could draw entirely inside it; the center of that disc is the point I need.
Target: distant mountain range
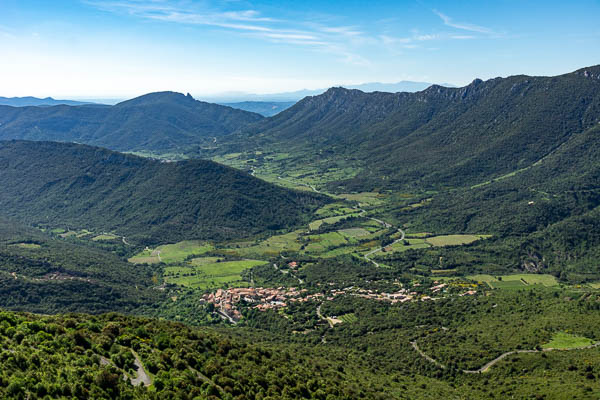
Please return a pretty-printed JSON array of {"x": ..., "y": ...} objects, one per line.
[
  {"x": 163, "y": 121},
  {"x": 264, "y": 108},
  {"x": 237, "y": 97},
  {"x": 34, "y": 101}
]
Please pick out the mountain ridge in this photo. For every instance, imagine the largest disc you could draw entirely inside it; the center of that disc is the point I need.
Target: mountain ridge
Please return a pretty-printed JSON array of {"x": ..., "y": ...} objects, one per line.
[
  {"x": 160, "y": 121},
  {"x": 436, "y": 135},
  {"x": 36, "y": 101}
]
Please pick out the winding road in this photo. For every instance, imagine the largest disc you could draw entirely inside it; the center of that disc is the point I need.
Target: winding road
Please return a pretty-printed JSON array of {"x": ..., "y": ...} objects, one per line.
[
  {"x": 502, "y": 356},
  {"x": 308, "y": 185},
  {"x": 385, "y": 225},
  {"x": 142, "y": 377}
]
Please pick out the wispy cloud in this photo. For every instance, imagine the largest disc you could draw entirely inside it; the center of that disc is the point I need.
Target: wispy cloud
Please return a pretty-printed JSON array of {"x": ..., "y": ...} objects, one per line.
[
  {"x": 463, "y": 26},
  {"x": 6, "y": 32},
  {"x": 334, "y": 40},
  {"x": 163, "y": 10},
  {"x": 323, "y": 34}
]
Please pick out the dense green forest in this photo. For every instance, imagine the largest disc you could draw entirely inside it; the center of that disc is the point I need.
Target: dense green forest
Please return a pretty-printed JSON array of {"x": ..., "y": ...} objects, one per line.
[
  {"x": 113, "y": 356},
  {"x": 44, "y": 274},
  {"x": 70, "y": 185},
  {"x": 165, "y": 121}
]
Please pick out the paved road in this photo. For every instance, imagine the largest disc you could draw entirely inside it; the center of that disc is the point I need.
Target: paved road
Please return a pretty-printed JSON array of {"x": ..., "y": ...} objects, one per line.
[
  {"x": 300, "y": 281},
  {"x": 142, "y": 377},
  {"x": 425, "y": 356},
  {"x": 366, "y": 256},
  {"x": 308, "y": 185},
  {"x": 227, "y": 316},
  {"x": 502, "y": 356},
  {"x": 206, "y": 379}
]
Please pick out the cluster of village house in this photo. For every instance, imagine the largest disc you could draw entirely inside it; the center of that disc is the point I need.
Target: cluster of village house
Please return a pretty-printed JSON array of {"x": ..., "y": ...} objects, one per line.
[{"x": 226, "y": 300}]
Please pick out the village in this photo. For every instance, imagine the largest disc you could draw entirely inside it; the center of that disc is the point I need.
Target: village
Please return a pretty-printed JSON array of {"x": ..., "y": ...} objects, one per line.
[{"x": 226, "y": 301}]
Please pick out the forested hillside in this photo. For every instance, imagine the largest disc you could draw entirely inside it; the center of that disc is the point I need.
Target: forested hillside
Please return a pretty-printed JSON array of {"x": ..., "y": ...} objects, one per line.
[
  {"x": 42, "y": 273},
  {"x": 70, "y": 185},
  {"x": 163, "y": 121},
  {"x": 437, "y": 138}
]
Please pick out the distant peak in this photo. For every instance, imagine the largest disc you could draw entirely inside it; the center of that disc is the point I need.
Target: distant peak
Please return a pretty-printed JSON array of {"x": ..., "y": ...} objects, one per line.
[{"x": 159, "y": 97}]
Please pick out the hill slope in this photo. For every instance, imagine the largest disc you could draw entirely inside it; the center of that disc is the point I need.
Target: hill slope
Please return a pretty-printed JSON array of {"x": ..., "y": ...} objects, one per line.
[
  {"x": 163, "y": 121},
  {"x": 60, "y": 184},
  {"x": 45, "y": 274},
  {"x": 435, "y": 138}
]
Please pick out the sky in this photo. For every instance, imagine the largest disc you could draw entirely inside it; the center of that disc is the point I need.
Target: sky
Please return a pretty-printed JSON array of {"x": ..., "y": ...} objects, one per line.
[{"x": 125, "y": 48}]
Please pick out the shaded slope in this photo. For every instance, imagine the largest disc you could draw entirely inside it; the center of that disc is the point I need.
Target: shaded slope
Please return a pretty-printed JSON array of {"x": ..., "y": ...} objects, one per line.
[
  {"x": 44, "y": 274},
  {"x": 57, "y": 184},
  {"x": 438, "y": 137},
  {"x": 163, "y": 122}
]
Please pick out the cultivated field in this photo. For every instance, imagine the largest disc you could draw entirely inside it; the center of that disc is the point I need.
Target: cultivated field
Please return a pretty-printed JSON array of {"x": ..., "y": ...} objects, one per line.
[
  {"x": 209, "y": 272},
  {"x": 172, "y": 253},
  {"x": 454, "y": 240},
  {"x": 563, "y": 340},
  {"x": 515, "y": 281}
]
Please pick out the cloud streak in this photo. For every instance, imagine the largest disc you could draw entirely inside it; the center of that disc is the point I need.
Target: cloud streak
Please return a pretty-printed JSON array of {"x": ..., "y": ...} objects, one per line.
[
  {"x": 465, "y": 27},
  {"x": 334, "y": 40},
  {"x": 345, "y": 42}
]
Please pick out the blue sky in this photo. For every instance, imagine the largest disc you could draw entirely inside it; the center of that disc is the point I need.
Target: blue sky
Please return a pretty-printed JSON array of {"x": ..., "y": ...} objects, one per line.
[{"x": 123, "y": 48}]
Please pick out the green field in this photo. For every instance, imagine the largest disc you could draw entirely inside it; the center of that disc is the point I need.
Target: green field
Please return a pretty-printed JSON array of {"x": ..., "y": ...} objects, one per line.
[
  {"x": 401, "y": 246},
  {"x": 418, "y": 235},
  {"x": 564, "y": 340},
  {"x": 594, "y": 285},
  {"x": 354, "y": 232},
  {"x": 364, "y": 198},
  {"x": 27, "y": 245},
  {"x": 330, "y": 220},
  {"x": 515, "y": 281},
  {"x": 454, "y": 240},
  {"x": 267, "y": 248},
  {"x": 209, "y": 273},
  {"x": 68, "y": 234},
  {"x": 348, "y": 318},
  {"x": 172, "y": 253},
  {"x": 105, "y": 236},
  {"x": 322, "y": 242}
]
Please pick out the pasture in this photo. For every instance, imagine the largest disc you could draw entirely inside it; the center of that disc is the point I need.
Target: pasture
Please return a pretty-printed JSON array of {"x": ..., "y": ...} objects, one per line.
[
  {"x": 209, "y": 273},
  {"x": 365, "y": 198},
  {"x": 31, "y": 246},
  {"x": 454, "y": 240},
  {"x": 515, "y": 281},
  {"x": 171, "y": 253},
  {"x": 105, "y": 237},
  {"x": 564, "y": 340}
]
